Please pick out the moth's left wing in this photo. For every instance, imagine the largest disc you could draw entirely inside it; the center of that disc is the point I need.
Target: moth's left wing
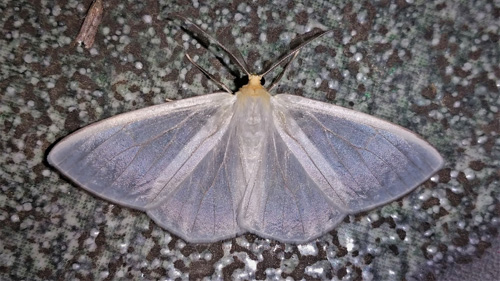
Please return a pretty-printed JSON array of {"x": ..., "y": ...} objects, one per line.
[{"x": 176, "y": 161}]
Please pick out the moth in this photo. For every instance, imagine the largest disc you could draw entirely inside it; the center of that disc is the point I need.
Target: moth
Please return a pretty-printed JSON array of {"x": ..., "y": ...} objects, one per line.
[{"x": 280, "y": 166}]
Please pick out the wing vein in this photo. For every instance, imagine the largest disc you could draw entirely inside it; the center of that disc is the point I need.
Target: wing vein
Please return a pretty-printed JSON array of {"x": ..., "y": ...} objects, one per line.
[
  {"x": 325, "y": 129},
  {"x": 184, "y": 163},
  {"x": 316, "y": 166},
  {"x": 414, "y": 164},
  {"x": 282, "y": 173},
  {"x": 213, "y": 183}
]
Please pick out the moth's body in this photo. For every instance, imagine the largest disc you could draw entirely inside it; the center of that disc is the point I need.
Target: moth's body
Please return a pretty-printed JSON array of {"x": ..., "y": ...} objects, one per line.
[{"x": 252, "y": 123}]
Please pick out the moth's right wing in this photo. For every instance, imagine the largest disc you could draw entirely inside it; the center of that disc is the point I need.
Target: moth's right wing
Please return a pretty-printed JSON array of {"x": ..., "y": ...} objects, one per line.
[
  {"x": 169, "y": 160},
  {"x": 323, "y": 162}
]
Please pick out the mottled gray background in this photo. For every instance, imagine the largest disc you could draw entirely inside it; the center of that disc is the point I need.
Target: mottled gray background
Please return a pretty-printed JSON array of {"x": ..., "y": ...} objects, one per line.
[{"x": 430, "y": 66}]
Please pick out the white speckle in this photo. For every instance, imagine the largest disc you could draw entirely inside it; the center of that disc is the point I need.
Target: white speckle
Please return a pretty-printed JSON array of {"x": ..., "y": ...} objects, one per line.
[
  {"x": 435, "y": 178},
  {"x": 350, "y": 244},
  {"x": 14, "y": 218},
  {"x": 482, "y": 139},
  {"x": 367, "y": 275},
  {"x": 478, "y": 218},
  {"x": 18, "y": 23},
  {"x": 314, "y": 270},
  {"x": 75, "y": 266},
  {"x": 97, "y": 93},
  {"x": 138, "y": 65},
  {"x": 180, "y": 244},
  {"x": 465, "y": 142},
  {"x": 252, "y": 264},
  {"x": 360, "y": 76},
  {"x": 18, "y": 157},
  {"x": 147, "y": 19},
  {"x": 431, "y": 249},
  {"x": 317, "y": 82},
  {"x": 28, "y": 58},
  {"x": 333, "y": 84},
  {"x": 405, "y": 43},
  {"x": 358, "y": 56},
  {"x": 56, "y": 10},
  {"x": 81, "y": 8},
  {"x": 105, "y": 30},
  {"x": 27, "y": 206},
  {"x": 104, "y": 274},
  {"x": 263, "y": 37},
  {"x": 11, "y": 91},
  {"x": 207, "y": 256},
  {"x": 461, "y": 224},
  {"x": 469, "y": 174},
  {"x": 467, "y": 66},
  {"x": 94, "y": 232},
  {"x": 123, "y": 248},
  {"x": 238, "y": 17},
  {"x": 448, "y": 70},
  {"x": 424, "y": 196},
  {"x": 308, "y": 249},
  {"x": 457, "y": 189},
  {"x": 373, "y": 217},
  {"x": 120, "y": 274},
  {"x": 124, "y": 40},
  {"x": 241, "y": 7}
]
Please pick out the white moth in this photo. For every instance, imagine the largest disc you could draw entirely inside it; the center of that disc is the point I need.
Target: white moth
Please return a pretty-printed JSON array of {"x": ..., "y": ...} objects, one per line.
[{"x": 212, "y": 167}]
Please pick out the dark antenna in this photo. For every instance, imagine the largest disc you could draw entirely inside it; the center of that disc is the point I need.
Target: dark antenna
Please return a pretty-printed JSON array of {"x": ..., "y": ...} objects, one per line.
[
  {"x": 295, "y": 50},
  {"x": 293, "y": 54},
  {"x": 222, "y": 85},
  {"x": 232, "y": 57},
  {"x": 278, "y": 78}
]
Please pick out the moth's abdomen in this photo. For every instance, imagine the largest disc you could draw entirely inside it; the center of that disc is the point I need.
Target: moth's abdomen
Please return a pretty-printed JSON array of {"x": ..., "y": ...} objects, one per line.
[{"x": 252, "y": 121}]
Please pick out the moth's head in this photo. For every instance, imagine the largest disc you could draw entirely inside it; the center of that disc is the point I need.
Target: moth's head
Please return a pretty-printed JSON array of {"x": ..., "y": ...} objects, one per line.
[{"x": 254, "y": 80}]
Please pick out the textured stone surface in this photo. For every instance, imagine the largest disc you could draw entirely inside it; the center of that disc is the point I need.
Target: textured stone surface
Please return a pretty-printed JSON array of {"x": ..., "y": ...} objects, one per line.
[{"x": 430, "y": 66}]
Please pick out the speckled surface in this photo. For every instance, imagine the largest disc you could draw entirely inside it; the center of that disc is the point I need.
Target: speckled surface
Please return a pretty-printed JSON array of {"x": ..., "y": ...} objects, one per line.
[{"x": 430, "y": 66}]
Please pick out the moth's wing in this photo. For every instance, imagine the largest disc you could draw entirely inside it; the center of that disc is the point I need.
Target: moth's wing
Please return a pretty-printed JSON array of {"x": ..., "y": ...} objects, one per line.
[
  {"x": 364, "y": 161},
  {"x": 283, "y": 202},
  {"x": 324, "y": 162},
  {"x": 169, "y": 160}
]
